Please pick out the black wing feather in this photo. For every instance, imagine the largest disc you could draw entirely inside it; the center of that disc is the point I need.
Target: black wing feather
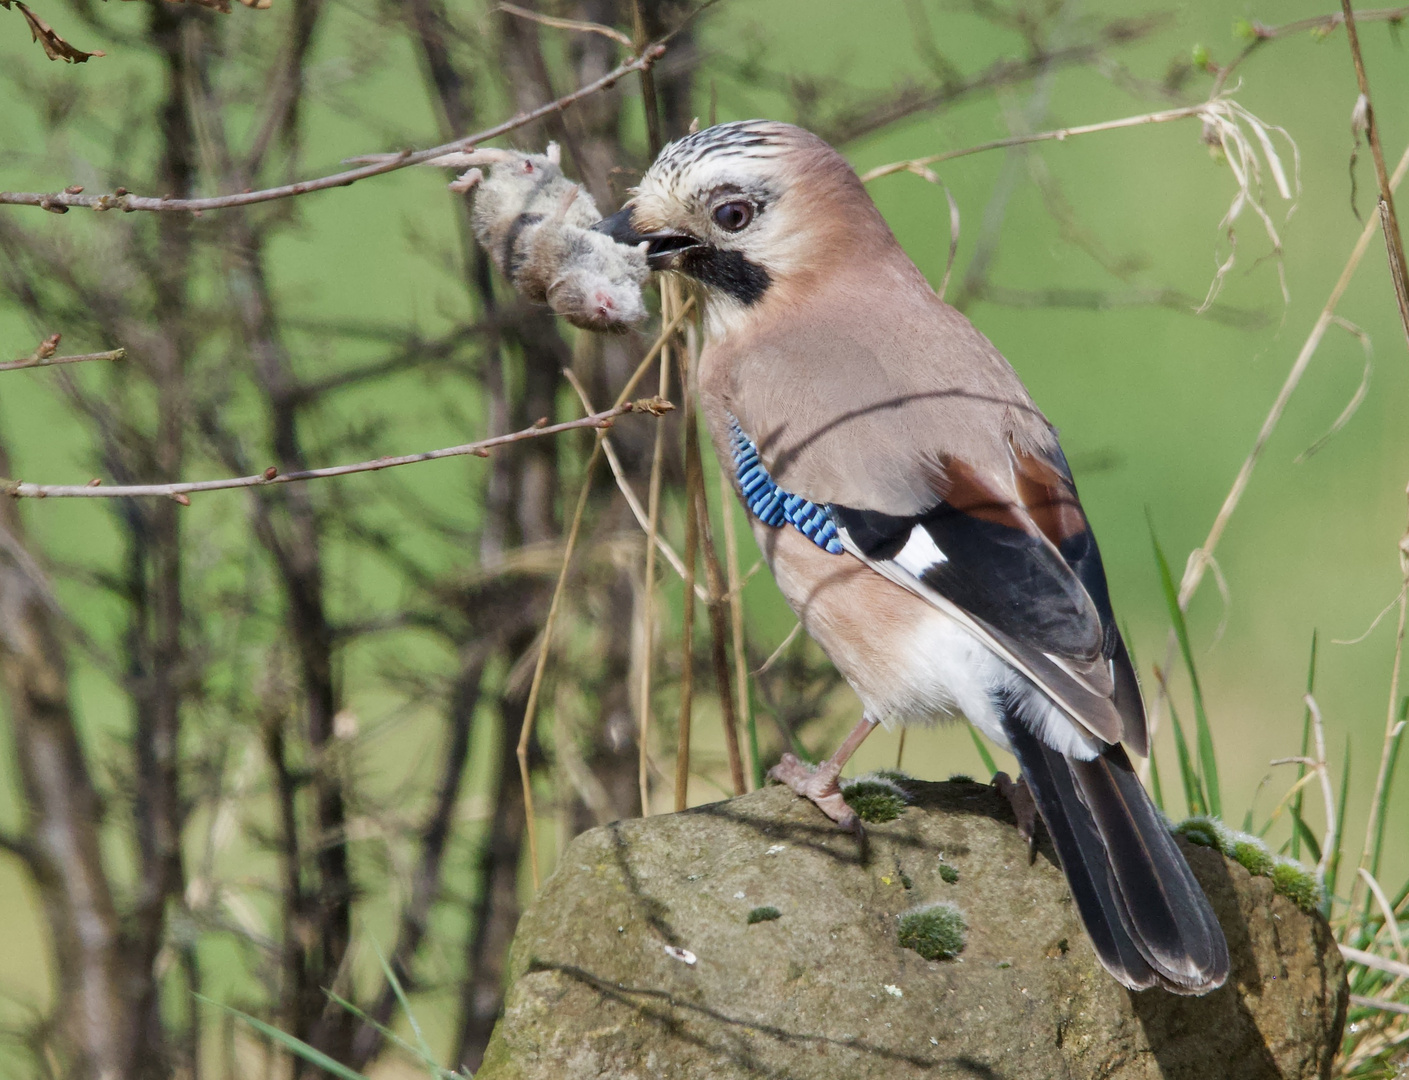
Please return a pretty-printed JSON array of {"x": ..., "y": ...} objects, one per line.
[{"x": 1010, "y": 579}]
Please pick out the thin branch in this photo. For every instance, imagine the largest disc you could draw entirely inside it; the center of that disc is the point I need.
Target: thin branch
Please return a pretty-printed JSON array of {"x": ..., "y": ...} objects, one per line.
[
  {"x": 51, "y": 361},
  {"x": 1317, "y": 25},
  {"x": 628, "y": 492},
  {"x": 178, "y": 491},
  {"x": 1394, "y": 239},
  {"x": 19, "y": 848},
  {"x": 62, "y": 201}
]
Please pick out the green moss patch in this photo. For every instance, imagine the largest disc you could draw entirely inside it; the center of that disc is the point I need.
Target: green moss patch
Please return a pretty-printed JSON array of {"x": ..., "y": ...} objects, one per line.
[
  {"x": 895, "y": 776},
  {"x": 764, "y": 914},
  {"x": 1296, "y": 883},
  {"x": 1289, "y": 877},
  {"x": 961, "y": 778},
  {"x": 875, "y": 798},
  {"x": 935, "y": 931}
]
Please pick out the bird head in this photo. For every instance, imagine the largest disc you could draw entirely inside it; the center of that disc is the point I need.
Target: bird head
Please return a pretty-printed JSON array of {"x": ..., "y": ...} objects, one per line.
[{"x": 750, "y": 211}]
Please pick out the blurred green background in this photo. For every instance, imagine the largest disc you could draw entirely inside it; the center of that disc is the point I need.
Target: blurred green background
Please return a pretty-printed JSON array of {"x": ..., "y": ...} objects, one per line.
[{"x": 1157, "y": 406}]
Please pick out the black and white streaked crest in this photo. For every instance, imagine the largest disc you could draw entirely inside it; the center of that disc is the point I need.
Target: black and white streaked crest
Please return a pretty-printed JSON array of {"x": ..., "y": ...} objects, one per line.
[{"x": 738, "y": 139}]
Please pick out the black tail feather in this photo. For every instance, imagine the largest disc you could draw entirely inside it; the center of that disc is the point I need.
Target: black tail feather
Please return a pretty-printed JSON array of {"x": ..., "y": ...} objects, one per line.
[{"x": 1146, "y": 915}]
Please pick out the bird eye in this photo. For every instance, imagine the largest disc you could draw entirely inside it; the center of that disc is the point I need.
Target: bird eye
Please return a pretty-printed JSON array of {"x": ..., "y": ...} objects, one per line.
[{"x": 733, "y": 216}]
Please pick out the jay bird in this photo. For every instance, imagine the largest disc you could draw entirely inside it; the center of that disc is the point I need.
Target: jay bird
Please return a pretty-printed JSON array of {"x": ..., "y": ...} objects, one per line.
[{"x": 918, "y": 514}]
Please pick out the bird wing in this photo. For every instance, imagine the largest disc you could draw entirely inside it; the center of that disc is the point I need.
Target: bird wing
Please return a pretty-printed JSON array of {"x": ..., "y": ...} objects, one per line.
[{"x": 1014, "y": 560}]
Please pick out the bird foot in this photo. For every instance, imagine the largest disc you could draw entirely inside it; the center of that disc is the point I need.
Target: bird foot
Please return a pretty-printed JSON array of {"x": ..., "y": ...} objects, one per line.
[
  {"x": 1024, "y": 806},
  {"x": 819, "y": 786}
]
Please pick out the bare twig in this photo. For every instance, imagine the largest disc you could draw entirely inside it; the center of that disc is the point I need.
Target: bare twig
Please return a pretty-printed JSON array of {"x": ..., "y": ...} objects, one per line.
[
  {"x": 51, "y": 361},
  {"x": 623, "y": 484},
  {"x": 1318, "y": 25},
  {"x": 62, "y": 201},
  {"x": 1394, "y": 239},
  {"x": 179, "y": 491}
]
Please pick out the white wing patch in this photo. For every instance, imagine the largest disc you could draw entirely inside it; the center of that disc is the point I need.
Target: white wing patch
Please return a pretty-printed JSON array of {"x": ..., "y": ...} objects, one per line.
[{"x": 920, "y": 553}]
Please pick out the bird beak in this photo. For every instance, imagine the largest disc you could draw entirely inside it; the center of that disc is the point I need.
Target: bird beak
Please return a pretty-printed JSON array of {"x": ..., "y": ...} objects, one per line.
[{"x": 662, "y": 248}]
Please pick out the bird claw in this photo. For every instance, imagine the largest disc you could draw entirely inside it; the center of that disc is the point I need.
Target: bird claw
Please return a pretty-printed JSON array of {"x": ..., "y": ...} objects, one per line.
[
  {"x": 1024, "y": 806},
  {"x": 818, "y": 786}
]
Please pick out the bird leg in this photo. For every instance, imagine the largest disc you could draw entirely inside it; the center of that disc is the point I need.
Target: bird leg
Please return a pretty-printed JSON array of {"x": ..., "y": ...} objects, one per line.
[
  {"x": 1023, "y": 804},
  {"x": 818, "y": 783}
]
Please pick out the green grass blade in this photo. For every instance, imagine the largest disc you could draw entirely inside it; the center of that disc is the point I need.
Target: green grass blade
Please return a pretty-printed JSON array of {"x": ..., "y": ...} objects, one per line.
[
  {"x": 1305, "y": 751},
  {"x": 1383, "y": 801},
  {"x": 1208, "y": 762},
  {"x": 405, "y": 1005},
  {"x": 1156, "y": 790},
  {"x": 1193, "y": 783},
  {"x": 297, "y": 1047},
  {"x": 1193, "y": 790},
  {"x": 1333, "y": 865},
  {"x": 1302, "y": 830},
  {"x": 984, "y": 755},
  {"x": 392, "y": 1036}
]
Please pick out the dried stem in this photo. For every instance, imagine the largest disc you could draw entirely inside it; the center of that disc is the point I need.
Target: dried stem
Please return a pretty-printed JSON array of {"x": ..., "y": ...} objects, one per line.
[
  {"x": 692, "y": 542},
  {"x": 52, "y": 361},
  {"x": 1394, "y": 239},
  {"x": 1201, "y": 557},
  {"x": 623, "y": 484},
  {"x": 648, "y": 605},
  {"x": 61, "y": 202},
  {"x": 178, "y": 491},
  {"x": 1369, "y": 854},
  {"x": 531, "y": 707},
  {"x": 1056, "y": 135},
  {"x": 718, "y": 638},
  {"x": 736, "y": 626},
  {"x": 579, "y": 25},
  {"x": 1331, "y": 841}
]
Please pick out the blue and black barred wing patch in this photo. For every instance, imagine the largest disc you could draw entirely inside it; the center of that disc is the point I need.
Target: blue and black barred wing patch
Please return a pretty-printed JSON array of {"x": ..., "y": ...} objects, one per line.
[{"x": 774, "y": 506}]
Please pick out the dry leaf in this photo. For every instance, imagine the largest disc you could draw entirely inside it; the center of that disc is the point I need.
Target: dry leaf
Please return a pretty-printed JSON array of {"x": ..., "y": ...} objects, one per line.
[{"x": 55, "y": 47}]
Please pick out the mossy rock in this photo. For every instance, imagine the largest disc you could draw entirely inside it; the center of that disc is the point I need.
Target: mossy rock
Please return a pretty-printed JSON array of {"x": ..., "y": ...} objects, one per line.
[{"x": 602, "y": 985}]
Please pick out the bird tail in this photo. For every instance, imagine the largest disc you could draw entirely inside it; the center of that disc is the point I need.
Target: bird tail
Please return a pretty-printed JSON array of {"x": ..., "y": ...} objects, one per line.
[{"x": 1148, "y": 919}]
